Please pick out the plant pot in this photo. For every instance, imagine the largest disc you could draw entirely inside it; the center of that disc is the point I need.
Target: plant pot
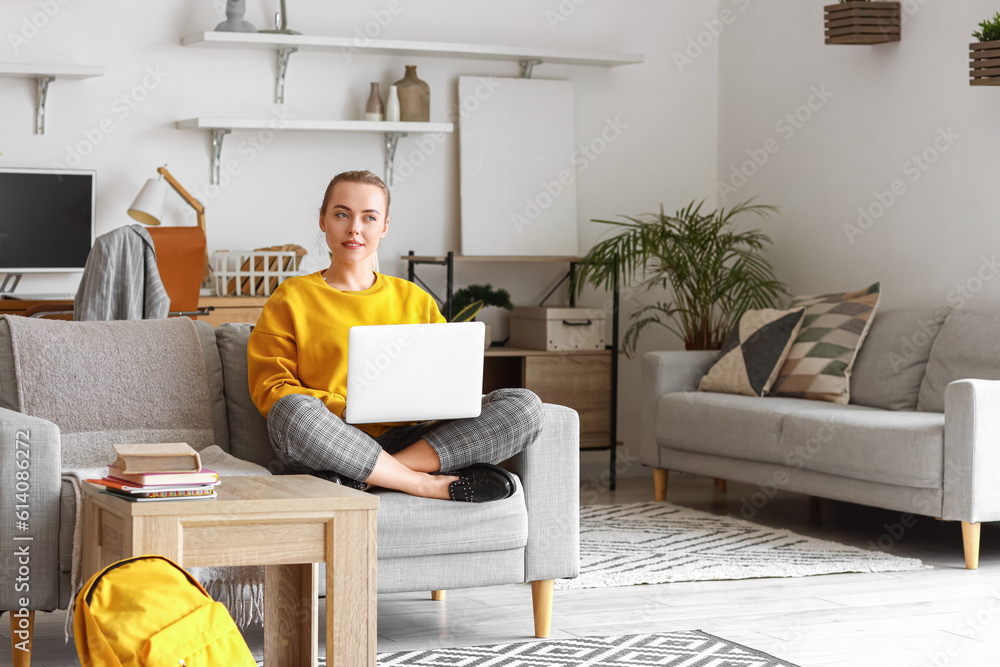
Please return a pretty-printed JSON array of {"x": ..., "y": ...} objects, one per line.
[
  {"x": 863, "y": 22},
  {"x": 984, "y": 63}
]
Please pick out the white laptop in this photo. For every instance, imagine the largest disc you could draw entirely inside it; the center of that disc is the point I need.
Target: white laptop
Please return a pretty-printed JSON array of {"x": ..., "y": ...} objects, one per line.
[{"x": 414, "y": 372}]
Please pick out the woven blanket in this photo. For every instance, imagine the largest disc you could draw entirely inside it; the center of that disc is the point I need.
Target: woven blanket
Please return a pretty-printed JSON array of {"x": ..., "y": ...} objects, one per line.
[{"x": 103, "y": 383}]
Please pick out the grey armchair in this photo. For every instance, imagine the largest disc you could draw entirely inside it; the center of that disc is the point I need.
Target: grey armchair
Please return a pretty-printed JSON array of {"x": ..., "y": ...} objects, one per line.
[{"x": 422, "y": 544}]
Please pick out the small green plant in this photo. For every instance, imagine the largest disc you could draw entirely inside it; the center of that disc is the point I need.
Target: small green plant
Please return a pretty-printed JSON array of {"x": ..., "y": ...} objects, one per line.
[
  {"x": 990, "y": 30},
  {"x": 468, "y": 301}
]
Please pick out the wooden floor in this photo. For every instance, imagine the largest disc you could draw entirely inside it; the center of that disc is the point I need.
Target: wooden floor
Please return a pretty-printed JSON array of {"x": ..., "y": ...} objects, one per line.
[{"x": 943, "y": 616}]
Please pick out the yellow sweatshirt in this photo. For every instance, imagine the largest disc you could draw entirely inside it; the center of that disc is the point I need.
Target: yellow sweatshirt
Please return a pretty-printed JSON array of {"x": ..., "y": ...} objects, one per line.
[{"x": 299, "y": 345}]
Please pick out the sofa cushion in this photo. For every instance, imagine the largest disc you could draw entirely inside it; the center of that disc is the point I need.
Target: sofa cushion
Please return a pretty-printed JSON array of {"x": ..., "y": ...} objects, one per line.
[
  {"x": 742, "y": 427},
  {"x": 967, "y": 347},
  {"x": 890, "y": 365},
  {"x": 216, "y": 391},
  {"x": 248, "y": 437},
  {"x": 888, "y": 447},
  {"x": 753, "y": 352},
  {"x": 819, "y": 364},
  {"x": 409, "y": 526}
]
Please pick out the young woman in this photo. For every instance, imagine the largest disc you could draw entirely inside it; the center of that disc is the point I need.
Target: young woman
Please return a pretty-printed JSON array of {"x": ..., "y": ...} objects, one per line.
[{"x": 297, "y": 359}]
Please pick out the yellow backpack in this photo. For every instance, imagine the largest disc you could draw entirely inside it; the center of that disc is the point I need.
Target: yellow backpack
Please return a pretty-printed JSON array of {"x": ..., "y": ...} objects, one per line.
[{"x": 146, "y": 611}]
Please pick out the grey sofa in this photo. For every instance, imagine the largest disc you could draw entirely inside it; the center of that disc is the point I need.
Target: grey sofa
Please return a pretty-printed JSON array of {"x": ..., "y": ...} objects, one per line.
[
  {"x": 422, "y": 544},
  {"x": 921, "y": 434}
]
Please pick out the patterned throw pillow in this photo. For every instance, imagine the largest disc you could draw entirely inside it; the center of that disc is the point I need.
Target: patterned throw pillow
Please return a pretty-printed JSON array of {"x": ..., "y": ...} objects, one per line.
[
  {"x": 819, "y": 364},
  {"x": 753, "y": 352}
]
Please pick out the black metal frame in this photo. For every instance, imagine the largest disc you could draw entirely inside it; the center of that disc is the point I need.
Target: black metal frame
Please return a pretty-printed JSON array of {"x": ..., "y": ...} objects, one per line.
[{"x": 449, "y": 263}]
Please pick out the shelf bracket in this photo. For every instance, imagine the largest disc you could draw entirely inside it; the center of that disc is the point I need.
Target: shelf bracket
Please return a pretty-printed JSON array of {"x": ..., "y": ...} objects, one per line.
[
  {"x": 527, "y": 66},
  {"x": 42, "y": 92},
  {"x": 217, "y": 136},
  {"x": 279, "y": 83},
  {"x": 391, "y": 141}
]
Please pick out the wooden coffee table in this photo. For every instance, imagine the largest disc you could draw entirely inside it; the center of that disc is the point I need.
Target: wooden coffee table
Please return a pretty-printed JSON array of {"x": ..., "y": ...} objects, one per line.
[{"x": 287, "y": 524}]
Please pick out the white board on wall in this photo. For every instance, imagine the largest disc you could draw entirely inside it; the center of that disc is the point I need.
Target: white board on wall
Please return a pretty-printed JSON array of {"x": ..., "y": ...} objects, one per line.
[{"x": 518, "y": 184}]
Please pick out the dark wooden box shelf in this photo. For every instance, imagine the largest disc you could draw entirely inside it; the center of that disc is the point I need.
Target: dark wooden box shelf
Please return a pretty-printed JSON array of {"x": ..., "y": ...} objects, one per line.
[
  {"x": 863, "y": 22},
  {"x": 984, "y": 63}
]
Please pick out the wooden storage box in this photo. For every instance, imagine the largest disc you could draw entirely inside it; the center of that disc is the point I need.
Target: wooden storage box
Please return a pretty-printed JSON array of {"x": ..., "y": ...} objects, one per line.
[
  {"x": 541, "y": 328},
  {"x": 863, "y": 22},
  {"x": 984, "y": 63}
]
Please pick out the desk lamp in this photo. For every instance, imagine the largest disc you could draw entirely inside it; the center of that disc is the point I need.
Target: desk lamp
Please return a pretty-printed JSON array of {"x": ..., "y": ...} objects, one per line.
[{"x": 148, "y": 205}]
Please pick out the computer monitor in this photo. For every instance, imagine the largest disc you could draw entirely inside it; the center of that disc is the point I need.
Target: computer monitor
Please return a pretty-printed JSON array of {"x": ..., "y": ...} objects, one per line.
[{"x": 46, "y": 220}]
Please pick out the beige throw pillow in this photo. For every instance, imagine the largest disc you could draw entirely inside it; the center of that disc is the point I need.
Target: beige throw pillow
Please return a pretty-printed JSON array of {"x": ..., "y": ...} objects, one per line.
[{"x": 754, "y": 352}]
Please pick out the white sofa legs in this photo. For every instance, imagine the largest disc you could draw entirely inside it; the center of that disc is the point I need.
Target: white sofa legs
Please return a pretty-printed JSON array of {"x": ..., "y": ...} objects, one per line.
[
  {"x": 438, "y": 595},
  {"x": 970, "y": 539},
  {"x": 720, "y": 485},
  {"x": 541, "y": 600},
  {"x": 660, "y": 483}
]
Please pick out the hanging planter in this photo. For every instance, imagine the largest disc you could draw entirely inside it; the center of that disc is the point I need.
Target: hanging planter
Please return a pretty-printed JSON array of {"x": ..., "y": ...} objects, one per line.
[
  {"x": 984, "y": 55},
  {"x": 862, "y": 22}
]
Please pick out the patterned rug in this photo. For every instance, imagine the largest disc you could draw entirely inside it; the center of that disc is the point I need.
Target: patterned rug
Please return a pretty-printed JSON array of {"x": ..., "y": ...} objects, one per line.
[
  {"x": 670, "y": 649},
  {"x": 656, "y": 543}
]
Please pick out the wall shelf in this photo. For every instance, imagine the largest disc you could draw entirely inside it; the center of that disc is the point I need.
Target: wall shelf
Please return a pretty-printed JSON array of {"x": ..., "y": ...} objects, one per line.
[
  {"x": 285, "y": 45},
  {"x": 220, "y": 127},
  {"x": 43, "y": 74},
  {"x": 350, "y": 45}
]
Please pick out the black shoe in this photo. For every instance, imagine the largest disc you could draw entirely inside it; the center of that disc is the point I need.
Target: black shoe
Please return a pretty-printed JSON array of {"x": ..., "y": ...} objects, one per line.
[
  {"x": 337, "y": 478},
  {"x": 481, "y": 483}
]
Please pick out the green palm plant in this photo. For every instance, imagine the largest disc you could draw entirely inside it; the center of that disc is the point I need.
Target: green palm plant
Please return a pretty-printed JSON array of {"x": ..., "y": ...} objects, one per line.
[{"x": 713, "y": 271}]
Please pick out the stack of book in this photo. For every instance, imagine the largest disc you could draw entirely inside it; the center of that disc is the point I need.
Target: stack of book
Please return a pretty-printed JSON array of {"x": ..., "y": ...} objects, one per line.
[{"x": 165, "y": 471}]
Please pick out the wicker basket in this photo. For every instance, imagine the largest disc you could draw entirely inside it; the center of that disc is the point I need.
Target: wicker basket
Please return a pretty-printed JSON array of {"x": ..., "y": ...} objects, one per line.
[{"x": 254, "y": 272}]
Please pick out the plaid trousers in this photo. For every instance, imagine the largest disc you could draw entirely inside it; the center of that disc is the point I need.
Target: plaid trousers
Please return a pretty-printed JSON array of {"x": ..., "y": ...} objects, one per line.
[{"x": 308, "y": 438}]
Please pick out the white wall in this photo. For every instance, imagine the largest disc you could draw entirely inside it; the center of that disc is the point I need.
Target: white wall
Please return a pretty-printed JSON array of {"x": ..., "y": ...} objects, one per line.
[
  {"x": 886, "y": 104},
  {"x": 665, "y": 153}
]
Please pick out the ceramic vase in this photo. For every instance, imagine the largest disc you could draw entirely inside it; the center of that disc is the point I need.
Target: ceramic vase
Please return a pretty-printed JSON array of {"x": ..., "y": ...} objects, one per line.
[
  {"x": 414, "y": 97},
  {"x": 392, "y": 110},
  {"x": 374, "y": 109}
]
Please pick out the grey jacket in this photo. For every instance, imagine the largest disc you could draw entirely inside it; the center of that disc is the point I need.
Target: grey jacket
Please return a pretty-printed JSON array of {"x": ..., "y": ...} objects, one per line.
[{"x": 120, "y": 280}]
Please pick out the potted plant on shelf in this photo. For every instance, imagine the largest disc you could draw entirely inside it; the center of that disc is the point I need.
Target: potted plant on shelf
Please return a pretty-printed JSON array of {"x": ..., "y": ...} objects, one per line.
[
  {"x": 713, "y": 271},
  {"x": 468, "y": 301},
  {"x": 862, "y": 22},
  {"x": 984, "y": 54}
]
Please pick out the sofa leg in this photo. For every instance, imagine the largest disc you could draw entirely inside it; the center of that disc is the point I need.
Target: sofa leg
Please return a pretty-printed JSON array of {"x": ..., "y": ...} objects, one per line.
[
  {"x": 22, "y": 630},
  {"x": 541, "y": 600},
  {"x": 438, "y": 595},
  {"x": 720, "y": 485},
  {"x": 660, "y": 483},
  {"x": 970, "y": 539}
]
